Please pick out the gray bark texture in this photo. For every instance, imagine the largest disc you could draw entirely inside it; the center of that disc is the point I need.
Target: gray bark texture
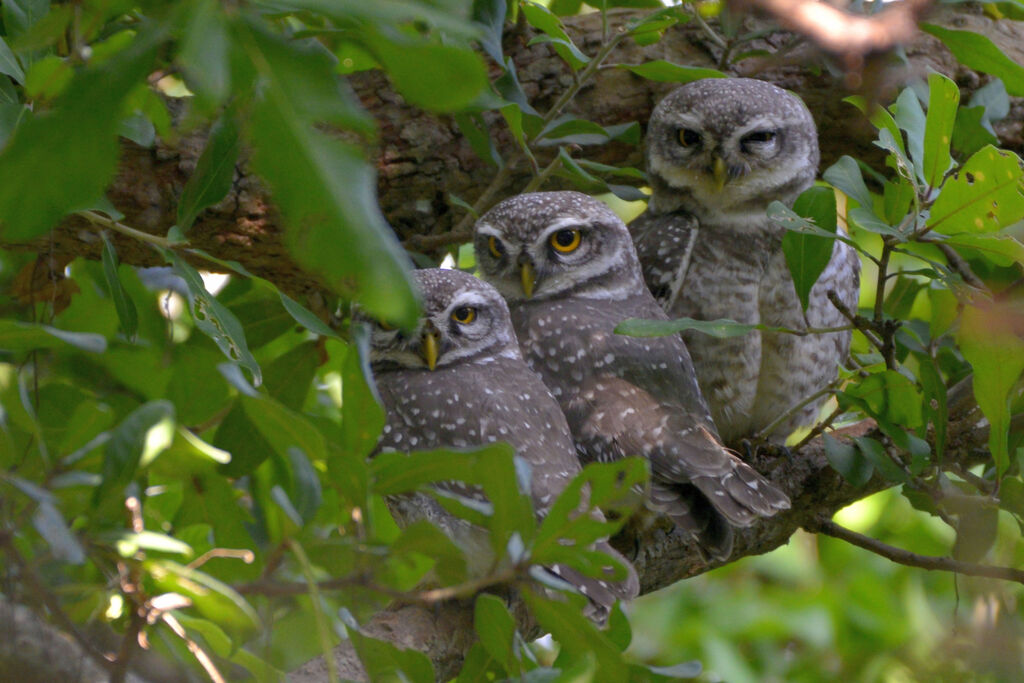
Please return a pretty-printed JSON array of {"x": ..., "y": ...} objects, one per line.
[{"x": 422, "y": 159}]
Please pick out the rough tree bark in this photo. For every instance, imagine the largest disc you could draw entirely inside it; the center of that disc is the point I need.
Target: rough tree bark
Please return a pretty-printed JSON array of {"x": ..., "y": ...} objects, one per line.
[{"x": 422, "y": 159}]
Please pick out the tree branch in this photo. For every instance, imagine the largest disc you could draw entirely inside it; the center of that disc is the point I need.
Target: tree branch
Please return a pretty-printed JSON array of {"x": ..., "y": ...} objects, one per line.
[{"x": 901, "y": 556}]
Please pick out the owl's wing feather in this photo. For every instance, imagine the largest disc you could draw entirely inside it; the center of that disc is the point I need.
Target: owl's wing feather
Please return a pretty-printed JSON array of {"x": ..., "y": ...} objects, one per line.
[
  {"x": 601, "y": 593},
  {"x": 663, "y": 242},
  {"x": 694, "y": 479}
]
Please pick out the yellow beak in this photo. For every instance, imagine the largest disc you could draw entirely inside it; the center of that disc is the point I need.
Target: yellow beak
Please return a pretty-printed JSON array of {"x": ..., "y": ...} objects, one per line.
[
  {"x": 720, "y": 174},
  {"x": 527, "y": 278},
  {"x": 430, "y": 348}
]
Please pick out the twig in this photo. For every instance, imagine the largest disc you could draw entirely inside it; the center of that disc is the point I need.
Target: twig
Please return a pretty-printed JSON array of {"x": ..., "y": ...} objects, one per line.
[
  {"x": 793, "y": 409},
  {"x": 99, "y": 219},
  {"x": 905, "y": 557},
  {"x": 818, "y": 428},
  {"x": 960, "y": 265},
  {"x": 858, "y": 322}
]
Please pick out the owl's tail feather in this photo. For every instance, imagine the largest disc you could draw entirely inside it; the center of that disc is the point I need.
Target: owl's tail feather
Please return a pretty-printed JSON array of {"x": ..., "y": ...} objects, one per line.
[
  {"x": 688, "y": 507},
  {"x": 742, "y": 495},
  {"x": 601, "y": 593}
]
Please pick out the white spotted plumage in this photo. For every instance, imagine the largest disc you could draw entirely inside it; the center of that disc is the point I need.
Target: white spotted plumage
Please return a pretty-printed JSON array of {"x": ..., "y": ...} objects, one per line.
[
  {"x": 710, "y": 252},
  {"x": 623, "y": 396},
  {"x": 480, "y": 392}
]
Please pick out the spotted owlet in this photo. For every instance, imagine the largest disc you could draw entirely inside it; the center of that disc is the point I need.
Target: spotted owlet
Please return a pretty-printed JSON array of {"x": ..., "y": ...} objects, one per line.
[
  {"x": 567, "y": 267},
  {"x": 719, "y": 151},
  {"x": 459, "y": 381}
]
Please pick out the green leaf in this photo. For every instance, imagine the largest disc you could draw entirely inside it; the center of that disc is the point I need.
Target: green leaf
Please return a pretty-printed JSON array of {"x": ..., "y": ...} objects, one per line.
[
  {"x": 324, "y": 188},
  {"x": 876, "y": 455},
  {"x": 996, "y": 353},
  {"x": 385, "y": 662},
  {"x": 489, "y": 15},
  {"x": 238, "y": 435},
  {"x": 128, "y": 543},
  {"x": 491, "y": 468},
  {"x": 214, "y": 172},
  {"x": 50, "y": 524},
  {"x": 437, "y": 78},
  {"x": 887, "y": 396},
  {"x": 985, "y": 195},
  {"x": 1000, "y": 249},
  {"x": 661, "y": 70},
  {"x": 9, "y": 63},
  {"x": 545, "y": 20},
  {"x": 428, "y": 540},
  {"x": 943, "y": 100},
  {"x": 609, "y": 487},
  {"x": 74, "y": 146},
  {"x": 289, "y": 376},
  {"x": 204, "y": 53},
  {"x": 306, "y": 318},
  {"x": 977, "y": 52},
  {"x": 140, "y": 438},
  {"x": 976, "y": 532},
  {"x": 19, "y": 336},
  {"x": 475, "y": 129},
  {"x": 497, "y": 629},
  {"x": 848, "y": 461},
  {"x": 213, "y": 318},
  {"x": 211, "y": 598},
  {"x": 362, "y": 417},
  {"x": 846, "y": 176},
  {"x": 808, "y": 255},
  {"x": 969, "y": 132},
  {"x": 722, "y": 329},
  {"x": 285, "y": 429},
  {"x": 126, "y": 312},
  {"x": 577, "y": 636},
  {"x": 910, "y": 117}
]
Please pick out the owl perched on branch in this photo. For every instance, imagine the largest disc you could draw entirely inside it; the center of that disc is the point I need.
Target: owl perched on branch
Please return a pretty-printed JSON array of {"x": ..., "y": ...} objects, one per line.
[
  {"x": 459, "y": 381},
  {"x": 719, "y": 151},
  {"x": 567, "y": 267}
]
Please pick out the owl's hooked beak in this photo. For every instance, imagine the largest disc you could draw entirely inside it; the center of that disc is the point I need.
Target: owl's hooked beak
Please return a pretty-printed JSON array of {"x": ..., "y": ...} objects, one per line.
[
  {"x": 429, "y": 346},
  {"x": 527, "y": 277},
  {"x": 720, "y": 173}
]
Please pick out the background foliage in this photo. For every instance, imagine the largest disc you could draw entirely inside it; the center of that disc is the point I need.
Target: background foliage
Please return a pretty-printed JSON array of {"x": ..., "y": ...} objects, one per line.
[{"x": 189, "y": 463}]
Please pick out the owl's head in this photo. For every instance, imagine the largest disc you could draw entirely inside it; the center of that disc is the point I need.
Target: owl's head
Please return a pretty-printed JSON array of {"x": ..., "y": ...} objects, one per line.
[
  {"x": 729, "y": 145},
  {"x": 546, "y": 245},
  {"x": 464, "y": 320}
]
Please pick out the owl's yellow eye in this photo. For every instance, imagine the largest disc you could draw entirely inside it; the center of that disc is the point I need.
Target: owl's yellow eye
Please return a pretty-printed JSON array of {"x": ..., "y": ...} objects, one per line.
[
  {"x": 565, "y": 241},
  {"x": 384, "y": 326},
  {"x": 494, "y": 246},
  {"x": 688, "y": 138},
  {"x": 464, "y": 314}
]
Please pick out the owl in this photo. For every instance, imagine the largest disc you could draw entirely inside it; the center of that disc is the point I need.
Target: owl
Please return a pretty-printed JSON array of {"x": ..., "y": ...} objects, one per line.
[
  {"x": 566, "y": 265},
  {"x": 459, "y": 381},
  {"x": 719, "y": 151}
]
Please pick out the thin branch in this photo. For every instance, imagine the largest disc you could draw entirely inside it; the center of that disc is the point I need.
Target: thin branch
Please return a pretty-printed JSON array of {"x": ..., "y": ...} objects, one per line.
[
  {"x": 858, "y": 322},
  {"x": 99, "y": 219},
  {"x": 901, "y": 556},
  {"x": 818, "y": 428},
  {"x": 795, "y": 408},
  {"x": 960, "y": 265}
]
